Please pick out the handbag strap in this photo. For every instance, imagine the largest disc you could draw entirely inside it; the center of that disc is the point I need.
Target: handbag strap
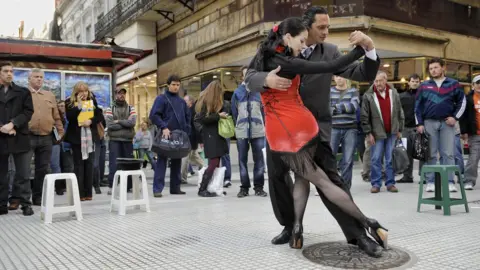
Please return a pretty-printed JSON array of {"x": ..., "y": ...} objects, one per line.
[{"x": 174, "y": 112}]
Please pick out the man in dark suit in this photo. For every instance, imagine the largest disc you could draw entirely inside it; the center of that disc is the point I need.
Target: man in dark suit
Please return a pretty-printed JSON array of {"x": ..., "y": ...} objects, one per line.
[
  {"x": 16, "y": 110},
  {"x": 315, "y": 93}
]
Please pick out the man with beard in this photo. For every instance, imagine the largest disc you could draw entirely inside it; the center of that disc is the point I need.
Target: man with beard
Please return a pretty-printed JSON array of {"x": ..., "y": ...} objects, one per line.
[{"x": 315, "y": 93}]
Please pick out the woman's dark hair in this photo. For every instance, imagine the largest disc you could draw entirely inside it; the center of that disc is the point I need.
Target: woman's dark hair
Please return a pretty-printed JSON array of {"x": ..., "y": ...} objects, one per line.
[
  {"x": 268, "y": 46},
  {"x": 308, "y": 17}
]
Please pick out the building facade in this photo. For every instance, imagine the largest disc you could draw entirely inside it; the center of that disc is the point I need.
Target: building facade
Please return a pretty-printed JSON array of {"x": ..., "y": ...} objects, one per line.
[{"x": 204, "y": 40}]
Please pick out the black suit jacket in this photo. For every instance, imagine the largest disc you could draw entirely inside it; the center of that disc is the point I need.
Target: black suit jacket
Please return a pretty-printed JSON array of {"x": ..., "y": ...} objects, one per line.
[{"x": 18, "y": 109}]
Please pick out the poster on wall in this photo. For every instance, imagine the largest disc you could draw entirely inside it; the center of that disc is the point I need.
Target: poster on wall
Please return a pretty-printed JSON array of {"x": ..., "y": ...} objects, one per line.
[
  {"x": 51, "y": 81},
  {"x": 99, "y": 84}
]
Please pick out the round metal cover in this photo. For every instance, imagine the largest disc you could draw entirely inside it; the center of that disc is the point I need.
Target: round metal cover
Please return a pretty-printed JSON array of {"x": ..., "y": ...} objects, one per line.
[{"x": 343, "y": 255}]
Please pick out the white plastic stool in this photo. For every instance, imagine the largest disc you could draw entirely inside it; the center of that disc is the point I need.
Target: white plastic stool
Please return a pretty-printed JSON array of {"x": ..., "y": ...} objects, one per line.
[
  {"x": 120, "y": 187},
  {"x": 48, "y": 195}
]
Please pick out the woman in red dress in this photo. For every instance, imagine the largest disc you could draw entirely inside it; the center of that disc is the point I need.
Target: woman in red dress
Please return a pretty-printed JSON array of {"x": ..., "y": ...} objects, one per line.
[{"x": 292, "y": 130}]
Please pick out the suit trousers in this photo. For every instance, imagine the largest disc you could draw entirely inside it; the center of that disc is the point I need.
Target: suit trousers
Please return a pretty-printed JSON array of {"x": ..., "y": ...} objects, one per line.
[{"x": 281, "y": 187}]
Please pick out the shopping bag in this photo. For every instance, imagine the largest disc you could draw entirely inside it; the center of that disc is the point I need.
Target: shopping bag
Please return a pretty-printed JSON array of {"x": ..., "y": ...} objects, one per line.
[
  {"x": 400, "y": 160},
  {"x": 226, "y": 128},
  {"x": 216, "y": 183},
  {"x": 421, "y": 146}
]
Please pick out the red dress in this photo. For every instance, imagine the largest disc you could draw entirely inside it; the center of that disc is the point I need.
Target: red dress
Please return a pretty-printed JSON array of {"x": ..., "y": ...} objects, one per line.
[{"x": 289, "y": 125}]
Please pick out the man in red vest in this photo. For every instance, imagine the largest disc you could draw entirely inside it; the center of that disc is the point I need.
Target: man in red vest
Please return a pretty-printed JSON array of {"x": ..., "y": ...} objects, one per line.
[{"x": 382, "y": 121}]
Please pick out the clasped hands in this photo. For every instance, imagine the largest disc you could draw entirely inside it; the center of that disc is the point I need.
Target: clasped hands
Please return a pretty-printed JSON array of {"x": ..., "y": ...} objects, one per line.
[
  {"x": 8, "y": 129},
  {"x": 356, "y": 38}
]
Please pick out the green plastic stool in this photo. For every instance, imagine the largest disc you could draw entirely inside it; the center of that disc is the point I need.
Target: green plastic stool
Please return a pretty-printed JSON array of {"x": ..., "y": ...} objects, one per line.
[{"x": 442, "y": 193}]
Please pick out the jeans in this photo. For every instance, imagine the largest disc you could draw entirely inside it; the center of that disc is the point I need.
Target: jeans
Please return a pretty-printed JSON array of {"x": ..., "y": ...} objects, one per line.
[
  {"x": 471, "y": 170},
  {"x": 348, "y": 139},
  {"x": 55, "y": 159},
  {"x": 360, "y": 145},
  {"x": 41, "y": 146},
  {"x": 118, "y": 149},
  {"x": 441, "y": 139},
  {"x": 141, "y": 155},
  {"x": 383, "y": 148},
  {"x": 227, "y": 164},
  {"x": 159, "y": 175},
  {"x": 21, "y": 189},
  {"x": 243, "y": 146},
  {"x": 459, "y": 154}
]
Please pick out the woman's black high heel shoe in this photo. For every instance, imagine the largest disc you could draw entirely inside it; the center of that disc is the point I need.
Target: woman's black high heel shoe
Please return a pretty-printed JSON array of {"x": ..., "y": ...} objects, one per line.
[
  {"x": 379, "y": 233},
  {"x": 296, "y": 240}
]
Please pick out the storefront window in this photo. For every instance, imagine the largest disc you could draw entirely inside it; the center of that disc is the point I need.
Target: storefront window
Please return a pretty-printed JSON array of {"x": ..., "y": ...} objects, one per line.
[
  {"x": 458, "y": 71},
  {"x": 230, "y": 78},
  {"x": 398, "y": 70},
  {"x": 141, "y": 93}
]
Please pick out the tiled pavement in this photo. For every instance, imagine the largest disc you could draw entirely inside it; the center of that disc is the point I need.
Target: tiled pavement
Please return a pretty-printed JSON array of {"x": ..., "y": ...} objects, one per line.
[{"x": 188, "y": 232}]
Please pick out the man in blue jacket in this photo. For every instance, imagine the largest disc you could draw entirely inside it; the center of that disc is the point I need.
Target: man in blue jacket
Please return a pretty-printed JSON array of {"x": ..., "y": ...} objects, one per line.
[
  {"x": 248, "y": 117},
  {"x": 163, "y": 116},
  {"x": 439, "y": 105}
]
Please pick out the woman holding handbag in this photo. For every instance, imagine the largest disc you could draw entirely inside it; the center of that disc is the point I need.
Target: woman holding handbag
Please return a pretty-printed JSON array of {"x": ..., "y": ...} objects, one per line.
[{"x": 210, "y": 109}]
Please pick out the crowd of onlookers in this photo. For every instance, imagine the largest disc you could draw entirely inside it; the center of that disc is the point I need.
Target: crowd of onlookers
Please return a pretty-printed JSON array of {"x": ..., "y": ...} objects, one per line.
[{"x": 72, "y": 135}]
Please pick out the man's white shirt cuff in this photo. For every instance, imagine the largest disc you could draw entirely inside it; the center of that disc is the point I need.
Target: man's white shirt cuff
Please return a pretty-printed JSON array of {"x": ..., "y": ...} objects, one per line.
[{"x": 371, "y": 54}]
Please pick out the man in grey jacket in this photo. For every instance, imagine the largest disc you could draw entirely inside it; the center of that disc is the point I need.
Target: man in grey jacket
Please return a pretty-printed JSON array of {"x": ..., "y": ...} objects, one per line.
[
  {"x": 382, "y": 121},
  {"x": 315, "y": 93},
  {"x": 121, "y": 119}
]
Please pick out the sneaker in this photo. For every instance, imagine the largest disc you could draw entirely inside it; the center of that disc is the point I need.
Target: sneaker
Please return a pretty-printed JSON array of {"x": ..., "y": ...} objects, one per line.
[
  {"x": 227, "y": 184},
  {"x": 430, "y": 187},
  {"x": 452, "y": 188},
  {"x": 109, "y": 191},
  {"x": 157, "y": 195},
  {"x": 243, "y": 193},
  {"x": 260, "y": 192},
  {"x": 392, "y": 189},
  {"x": 468, "y": 186}
]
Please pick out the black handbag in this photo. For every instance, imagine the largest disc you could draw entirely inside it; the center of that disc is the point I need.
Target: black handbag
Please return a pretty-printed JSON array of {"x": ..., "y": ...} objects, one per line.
[
  {"x": 400, "y": 158},
  {"x": 421, "y": 146},
  {"x": 177, "y": 146}
]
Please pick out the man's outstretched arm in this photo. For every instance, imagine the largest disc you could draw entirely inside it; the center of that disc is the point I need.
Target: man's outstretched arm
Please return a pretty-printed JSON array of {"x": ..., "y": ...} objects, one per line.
[{"x": 261, "y": 81}]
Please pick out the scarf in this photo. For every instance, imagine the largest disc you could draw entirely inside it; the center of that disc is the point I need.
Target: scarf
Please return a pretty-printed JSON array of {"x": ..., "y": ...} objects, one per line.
[{"x": 87, "y": 142}]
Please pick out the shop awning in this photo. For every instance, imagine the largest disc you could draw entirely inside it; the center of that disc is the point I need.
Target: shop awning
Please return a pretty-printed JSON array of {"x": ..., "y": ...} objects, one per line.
[{"x": 57, "y": 52}]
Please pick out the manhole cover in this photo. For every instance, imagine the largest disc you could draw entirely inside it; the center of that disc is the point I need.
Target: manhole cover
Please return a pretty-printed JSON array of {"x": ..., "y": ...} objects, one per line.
[{"x": 343, "y": 255}]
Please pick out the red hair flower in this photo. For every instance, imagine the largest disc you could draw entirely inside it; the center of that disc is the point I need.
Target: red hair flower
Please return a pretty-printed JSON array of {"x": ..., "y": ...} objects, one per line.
[{"x": 275, "y": 28}]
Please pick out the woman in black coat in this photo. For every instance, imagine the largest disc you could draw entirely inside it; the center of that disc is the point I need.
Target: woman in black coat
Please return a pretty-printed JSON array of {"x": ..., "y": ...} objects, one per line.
[
  {"x": 209, "y": 110},
  {"x": 83, "y": 153}
]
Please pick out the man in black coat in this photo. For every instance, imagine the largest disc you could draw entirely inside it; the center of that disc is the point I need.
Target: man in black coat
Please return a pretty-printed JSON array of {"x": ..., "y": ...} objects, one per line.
[
  {"x": 16, "y": 110},
  {"x": 315, "y": 93}
]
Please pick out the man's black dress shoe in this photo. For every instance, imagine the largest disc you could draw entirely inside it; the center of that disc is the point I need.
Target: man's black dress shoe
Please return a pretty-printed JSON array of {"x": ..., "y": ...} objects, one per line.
[
  {"x": 27, "y": 210},
  {"x": 283, "y": 237},
  {"x": 3, "y": 210},
  {"x": 369, "y": 246},
  {"x": 178, "y": 192}
]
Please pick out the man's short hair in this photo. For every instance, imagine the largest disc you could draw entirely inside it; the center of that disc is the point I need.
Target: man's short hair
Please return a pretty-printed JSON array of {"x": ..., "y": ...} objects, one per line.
[
  {"x": 308, "y": 17},
  {"x": 35, "y": 70},
  {"x": 5, "y": 63},
  {"x": 173, "y": 78},
  {"x": 380, "y": 72},
  {"x": 414, "y": 76},
  {"x": 435, "y": 60}
]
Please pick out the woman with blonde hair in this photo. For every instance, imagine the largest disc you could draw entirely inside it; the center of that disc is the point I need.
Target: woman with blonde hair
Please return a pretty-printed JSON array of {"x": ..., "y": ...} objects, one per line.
[
  {"x": 210, "y": 109},
  {"x": 83, "y": 115}
]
